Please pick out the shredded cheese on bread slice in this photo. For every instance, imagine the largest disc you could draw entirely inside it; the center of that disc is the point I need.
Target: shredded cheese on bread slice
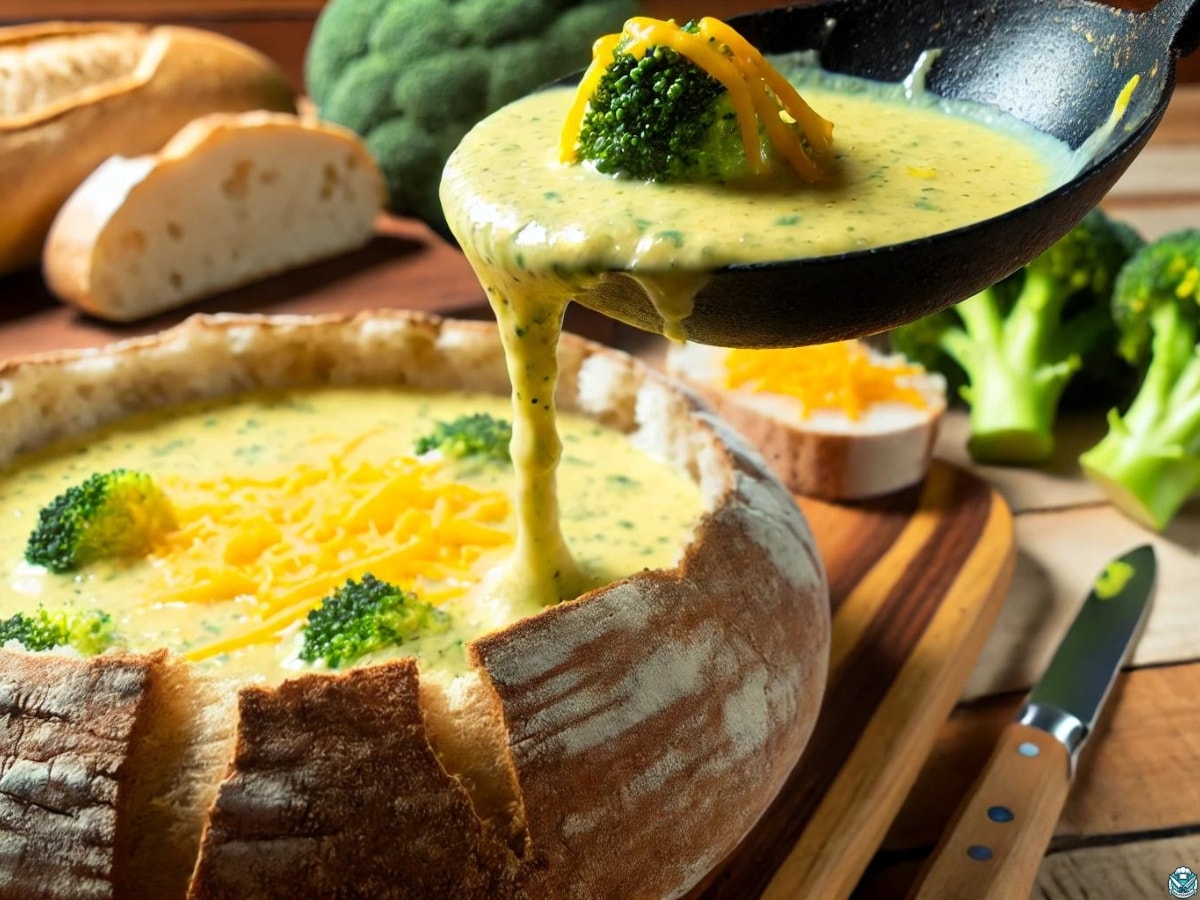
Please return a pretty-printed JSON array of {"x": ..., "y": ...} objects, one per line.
[{"x": 838, "y": 421}]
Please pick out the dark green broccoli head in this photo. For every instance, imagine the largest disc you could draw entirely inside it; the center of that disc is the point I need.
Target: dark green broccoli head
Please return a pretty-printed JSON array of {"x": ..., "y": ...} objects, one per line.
[
  {"x": 365, "y": 616},
  {"x": 1162, "y": 278},
  {"x": 661, "y": 118},
  {"x": 1099, "y": 247},
  {"x": 113, "y": 514},
  {"x": 477, "y": 435},
  {"x": 88, "y": 632},
  {"x": 413, "y": 76},
  {"x": 1086, "y": 259}
]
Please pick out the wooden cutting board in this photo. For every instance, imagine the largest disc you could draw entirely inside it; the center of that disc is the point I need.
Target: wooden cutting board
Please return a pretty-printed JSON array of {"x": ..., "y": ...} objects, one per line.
[{"x": 916, "y": 582}]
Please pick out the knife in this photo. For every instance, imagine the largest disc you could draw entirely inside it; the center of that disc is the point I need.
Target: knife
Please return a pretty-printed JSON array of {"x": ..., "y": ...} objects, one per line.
[{"x": 999, "y": 834}]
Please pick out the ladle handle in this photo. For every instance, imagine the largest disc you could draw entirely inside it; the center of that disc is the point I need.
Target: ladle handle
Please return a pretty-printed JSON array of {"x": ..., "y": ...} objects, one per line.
[{"x": 1182, "y": 18}]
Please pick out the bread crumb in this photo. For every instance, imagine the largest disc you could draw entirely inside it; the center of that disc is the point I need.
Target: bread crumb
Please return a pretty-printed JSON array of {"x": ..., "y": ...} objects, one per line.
[{"x": 237, "y": 185}]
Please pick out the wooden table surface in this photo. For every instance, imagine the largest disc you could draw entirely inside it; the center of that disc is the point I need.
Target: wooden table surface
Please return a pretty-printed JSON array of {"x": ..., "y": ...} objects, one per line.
[{"x": 1134, "y": 812}]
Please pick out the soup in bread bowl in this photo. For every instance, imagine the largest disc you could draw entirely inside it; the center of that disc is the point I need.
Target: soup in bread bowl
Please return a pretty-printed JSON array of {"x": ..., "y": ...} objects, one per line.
[{"x": 617, "y": 743}]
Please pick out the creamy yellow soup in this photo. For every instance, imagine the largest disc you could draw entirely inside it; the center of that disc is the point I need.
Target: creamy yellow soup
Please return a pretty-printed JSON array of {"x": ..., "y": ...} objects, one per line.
[
  {"x": 537, "y": 230},
  {"x": 260, "y": 460},
  {"x": 904, "y": 169}
]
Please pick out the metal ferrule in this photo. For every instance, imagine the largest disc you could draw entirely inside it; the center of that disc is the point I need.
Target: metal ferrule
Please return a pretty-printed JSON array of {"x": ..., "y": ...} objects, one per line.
[{"x": 1064, "y": 727}]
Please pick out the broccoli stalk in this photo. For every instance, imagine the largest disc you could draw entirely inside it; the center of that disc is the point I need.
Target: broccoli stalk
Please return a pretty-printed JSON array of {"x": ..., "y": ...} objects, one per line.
[
  {"x": 89, "y": 632},
  {"x": 1149, "y": 461},
  {"x": 1014, "y": 347},
  {"x": 362, "y": 617},
  {"x": 477, "y": 435},
  {"x": 113, "y": 514}
]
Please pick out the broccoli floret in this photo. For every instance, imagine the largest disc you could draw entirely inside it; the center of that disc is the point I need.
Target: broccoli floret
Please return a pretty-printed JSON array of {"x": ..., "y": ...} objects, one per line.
[
  {"x": 656, "y": 113},
  {"x": 362, "y": 617},
  {"x": 1012, "y": 349},
  {"x": 1149, "y": 462},
  {"x": 478, "y": 435},
  {"x": 113, "y": 514},
  {"x": 413, "y": 76},
  {"x": 661, "y": 118},
  {"x": 89, "y": 632}
]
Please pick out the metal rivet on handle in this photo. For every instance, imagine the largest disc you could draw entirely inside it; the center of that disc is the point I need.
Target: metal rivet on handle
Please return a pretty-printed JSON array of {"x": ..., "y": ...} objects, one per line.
[
  {"x": 1029, "y": 748},
  {"x": 979, "y": 853},
  {"x": 1000, "y": 814}
]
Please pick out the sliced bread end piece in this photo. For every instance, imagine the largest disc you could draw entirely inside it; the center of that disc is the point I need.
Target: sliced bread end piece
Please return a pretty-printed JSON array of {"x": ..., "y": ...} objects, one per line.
[
  {"x": 823, "y": 453},
  {"x": 230, "y": 200}
]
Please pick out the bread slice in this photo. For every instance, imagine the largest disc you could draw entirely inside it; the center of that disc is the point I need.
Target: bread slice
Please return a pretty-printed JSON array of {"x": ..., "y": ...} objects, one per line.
[
  {"x": 823, "y": 452},
  {"x": 72, "y": 94},
  {"x": 109, "y": 767},
  {"x": 229, "y": 200},
  {"x": 617, "y": 745}
]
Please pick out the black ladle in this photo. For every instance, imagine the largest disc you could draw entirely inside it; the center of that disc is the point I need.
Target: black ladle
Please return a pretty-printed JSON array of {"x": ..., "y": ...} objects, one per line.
[{"x": 1057, "y": 64}]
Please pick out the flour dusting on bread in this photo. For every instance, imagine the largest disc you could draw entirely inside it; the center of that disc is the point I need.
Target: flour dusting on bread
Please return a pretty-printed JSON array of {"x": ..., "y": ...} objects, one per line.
[{"x": 37, "y": 75}]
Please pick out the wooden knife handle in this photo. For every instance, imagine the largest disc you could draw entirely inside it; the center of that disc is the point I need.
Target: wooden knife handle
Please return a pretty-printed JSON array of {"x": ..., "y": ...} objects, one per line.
[{"x": 993, "y": 847}]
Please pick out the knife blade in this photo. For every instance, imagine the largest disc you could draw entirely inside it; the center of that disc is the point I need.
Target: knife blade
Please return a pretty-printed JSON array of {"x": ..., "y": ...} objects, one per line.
[{"x": 999, "y": 834}]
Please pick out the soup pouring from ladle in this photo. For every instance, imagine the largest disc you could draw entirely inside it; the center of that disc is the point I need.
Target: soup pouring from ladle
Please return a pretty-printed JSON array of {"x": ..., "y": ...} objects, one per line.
[{"x": 1055, "y": 64}]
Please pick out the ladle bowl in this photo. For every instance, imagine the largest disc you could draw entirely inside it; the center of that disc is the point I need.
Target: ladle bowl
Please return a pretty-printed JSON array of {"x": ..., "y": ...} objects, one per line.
[{"x": 1057, "y": 64}]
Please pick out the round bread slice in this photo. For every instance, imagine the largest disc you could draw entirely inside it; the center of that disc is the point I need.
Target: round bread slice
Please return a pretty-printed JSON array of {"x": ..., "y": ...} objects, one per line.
[
  {"x": 824, "y": 453},
  {"x": 617, "y": 745}
]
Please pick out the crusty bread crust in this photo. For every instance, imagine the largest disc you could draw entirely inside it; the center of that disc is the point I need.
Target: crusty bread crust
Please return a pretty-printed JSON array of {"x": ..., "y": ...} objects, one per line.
[
  {"x": 646, "y": 725},
  {"x": 67, "y": 730},
  {"x": 180, "y": 73},
  {"x": 297, "y": 743}
]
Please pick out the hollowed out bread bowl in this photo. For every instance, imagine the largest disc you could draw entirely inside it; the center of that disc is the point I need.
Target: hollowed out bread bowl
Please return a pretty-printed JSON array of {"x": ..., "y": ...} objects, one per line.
[{"x": 618, "y": 745}]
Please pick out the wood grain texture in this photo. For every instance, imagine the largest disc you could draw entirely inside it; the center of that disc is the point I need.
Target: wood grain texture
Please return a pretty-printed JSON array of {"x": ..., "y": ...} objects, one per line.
[
  {"x": 916, "y": 583},
  {"x": 1138, "y": 781},
  {"x": 1139, "y": 774},
  {"x": 996, "y": 857}
]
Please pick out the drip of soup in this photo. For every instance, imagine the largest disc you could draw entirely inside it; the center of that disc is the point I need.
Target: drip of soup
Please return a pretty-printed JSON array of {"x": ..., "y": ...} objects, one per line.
[{"x": 537, "y": 231}]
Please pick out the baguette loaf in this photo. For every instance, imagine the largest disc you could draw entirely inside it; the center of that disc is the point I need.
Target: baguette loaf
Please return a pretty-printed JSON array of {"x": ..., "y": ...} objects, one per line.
[
  {"x": 618, "y": 745},
  {"x": 823, "y": 453},
  {"x": 74, "y": 94},
  {"x": 230, "y": 199}
]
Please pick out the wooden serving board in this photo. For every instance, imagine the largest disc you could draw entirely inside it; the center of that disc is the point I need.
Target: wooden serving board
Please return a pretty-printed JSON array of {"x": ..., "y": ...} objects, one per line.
[{"x": 916, "y": 582}]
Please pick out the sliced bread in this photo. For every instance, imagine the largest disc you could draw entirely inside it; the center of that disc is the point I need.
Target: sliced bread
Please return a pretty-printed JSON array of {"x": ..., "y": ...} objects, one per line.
[
  {"x": 882, "y": 444},
  {"x": 229, "y": 200},
  {"x": 72, "y": 94}
]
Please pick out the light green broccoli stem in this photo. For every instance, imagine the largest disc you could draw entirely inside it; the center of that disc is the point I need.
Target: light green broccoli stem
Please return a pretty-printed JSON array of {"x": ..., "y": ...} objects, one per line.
[
  {"x": 1017, "y": 366},
  {"x": 1149, "y": 462}
]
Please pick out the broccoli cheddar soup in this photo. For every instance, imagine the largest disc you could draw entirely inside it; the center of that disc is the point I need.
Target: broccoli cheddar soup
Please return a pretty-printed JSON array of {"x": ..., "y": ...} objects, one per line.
[
  {"x": 905, "y": 167},
  {"x": 279, "y": 499},
  {"x": 537, "y": 230}
]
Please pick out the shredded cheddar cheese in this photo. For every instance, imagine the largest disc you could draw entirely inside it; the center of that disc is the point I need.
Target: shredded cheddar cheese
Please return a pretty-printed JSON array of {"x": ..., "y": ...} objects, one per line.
[
  {"x": 841, "y": 376},
  {"x": 757, "y": 91},
  {"x": 284, "y": 542}
]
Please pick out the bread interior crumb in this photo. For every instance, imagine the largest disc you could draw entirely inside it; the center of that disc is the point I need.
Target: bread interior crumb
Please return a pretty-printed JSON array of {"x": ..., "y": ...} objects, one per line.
[{"x": 465, "y": 729}]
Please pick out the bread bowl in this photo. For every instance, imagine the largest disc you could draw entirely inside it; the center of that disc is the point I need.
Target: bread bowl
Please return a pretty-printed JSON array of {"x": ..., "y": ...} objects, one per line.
[
  {"x": 616, "y": 745},
  {"x": 869, "y": 436},
  {"x": 231, "y": 198},
  {"x": 73, "y": 94}
]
